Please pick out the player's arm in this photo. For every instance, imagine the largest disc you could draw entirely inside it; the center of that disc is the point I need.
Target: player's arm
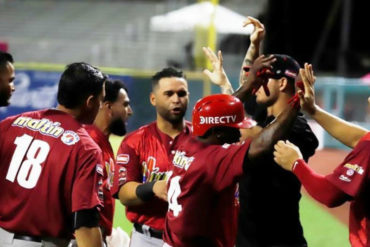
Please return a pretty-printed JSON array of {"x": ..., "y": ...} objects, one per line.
[
  {"x": 87, "y": 230},
  {"x": 347, "y": 133},
  {"x": 289, "y": 157},
  {"x": 265, "y": 140},
  {"x": 134, "y": 193},
  {"x": 253, "y": 51},
  {"x": 218, "y": 75}
]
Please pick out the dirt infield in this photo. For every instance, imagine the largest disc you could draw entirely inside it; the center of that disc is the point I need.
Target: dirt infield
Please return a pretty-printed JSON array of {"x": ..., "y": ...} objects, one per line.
[{"x": 324, "y": 161}]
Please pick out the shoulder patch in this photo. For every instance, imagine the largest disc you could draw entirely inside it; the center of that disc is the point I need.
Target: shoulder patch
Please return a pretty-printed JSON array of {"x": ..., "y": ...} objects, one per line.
[
  {"x": 70, "y": 137},
  {"x": 123, "y": 159}
]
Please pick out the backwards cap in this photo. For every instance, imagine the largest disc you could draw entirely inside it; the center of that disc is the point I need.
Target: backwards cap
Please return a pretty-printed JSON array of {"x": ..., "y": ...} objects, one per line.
[{"x": 219, "y": 110}]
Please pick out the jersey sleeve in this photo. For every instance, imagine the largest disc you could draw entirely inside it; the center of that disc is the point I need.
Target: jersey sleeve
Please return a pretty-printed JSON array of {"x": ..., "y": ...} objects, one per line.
[
  {"x": 228, "y": 165},
  {"x": 88, "y": 176},
  {"x": 353, "y": 173},
  {"x": 127, "y": 167}
]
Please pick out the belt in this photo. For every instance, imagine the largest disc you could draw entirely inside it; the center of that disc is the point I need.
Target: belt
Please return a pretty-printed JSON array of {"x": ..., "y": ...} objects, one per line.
[
  {"x": 148, "y": 231},
  {"x": 27, "y": 238}
]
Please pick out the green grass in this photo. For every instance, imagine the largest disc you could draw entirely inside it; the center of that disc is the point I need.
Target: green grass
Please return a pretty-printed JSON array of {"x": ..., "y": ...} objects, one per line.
[{"x": 320, "y": 228}]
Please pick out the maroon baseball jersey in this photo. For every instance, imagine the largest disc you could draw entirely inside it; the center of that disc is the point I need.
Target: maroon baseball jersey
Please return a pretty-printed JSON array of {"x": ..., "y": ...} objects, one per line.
[
  {"x": 352, "y": 177},
  {"x": 106, "y": 214},
  {"x": 143, "y": 157},
  {"x": 49, "y": 168},
  {"x": 201, "y": 194}
]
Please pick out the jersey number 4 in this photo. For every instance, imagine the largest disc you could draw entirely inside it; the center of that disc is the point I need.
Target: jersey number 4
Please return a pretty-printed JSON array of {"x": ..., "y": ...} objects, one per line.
[
  {"x": 173, "y": 193},
  {"x": 28, "y": 169}
]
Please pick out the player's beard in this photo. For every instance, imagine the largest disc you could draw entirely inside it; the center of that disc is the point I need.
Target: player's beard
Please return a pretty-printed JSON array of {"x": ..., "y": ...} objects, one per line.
[
  {"x": 117, "y": 127},
  {"x": 170, "y": 117},
  {"x": 4, "y": 98}
]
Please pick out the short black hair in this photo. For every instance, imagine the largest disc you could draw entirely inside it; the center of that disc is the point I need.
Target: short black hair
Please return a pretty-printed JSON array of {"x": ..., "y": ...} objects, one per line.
[
  {"x": 78, "y": 82},
  {"x": 112, "y": 88},
  {"x": 166, "y": 72},
  {"x": 5, "y": 58}
]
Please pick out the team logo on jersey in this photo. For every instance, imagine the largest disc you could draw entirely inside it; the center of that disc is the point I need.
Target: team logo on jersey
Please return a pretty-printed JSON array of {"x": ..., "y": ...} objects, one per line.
[
  {"x": 152, "y": 172},
  {"x": 350, "y": 172},
  {"x": 218, "y": 120},
  {"x": 123, "y": 159},
  {"x": 70, "y": 137},
  {"x": 180, "y": 160},
  {"x": 355, "y": 168}
]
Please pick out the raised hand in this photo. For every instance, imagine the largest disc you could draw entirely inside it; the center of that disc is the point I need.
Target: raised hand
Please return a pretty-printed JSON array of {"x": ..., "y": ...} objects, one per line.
[
  {"x": 259, "y": 72},
  {"x": 218, "y": 75},
  {"x": 285, "y": 154},
  {"x": 258, "y": 33},
  {"x": 307, "y": 95}
]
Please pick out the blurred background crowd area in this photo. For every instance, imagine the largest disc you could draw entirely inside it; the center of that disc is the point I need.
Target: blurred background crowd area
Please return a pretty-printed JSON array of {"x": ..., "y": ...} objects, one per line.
[{"x": 133, "y": 39}]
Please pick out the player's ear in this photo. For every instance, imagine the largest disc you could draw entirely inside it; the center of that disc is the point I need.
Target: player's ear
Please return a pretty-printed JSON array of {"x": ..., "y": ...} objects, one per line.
[
  {"x": 152, "y": 99},
  {"x": 283, "y": 84},
  {"x": 90, "y": 101}
]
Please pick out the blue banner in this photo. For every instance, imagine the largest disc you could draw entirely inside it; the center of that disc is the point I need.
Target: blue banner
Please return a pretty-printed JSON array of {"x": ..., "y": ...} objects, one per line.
[{"x": 35, "y": 90}]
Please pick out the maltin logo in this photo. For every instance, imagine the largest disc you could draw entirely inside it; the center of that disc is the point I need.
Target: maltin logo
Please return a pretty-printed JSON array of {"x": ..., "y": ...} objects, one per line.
[{"x": 217, "y": 120}]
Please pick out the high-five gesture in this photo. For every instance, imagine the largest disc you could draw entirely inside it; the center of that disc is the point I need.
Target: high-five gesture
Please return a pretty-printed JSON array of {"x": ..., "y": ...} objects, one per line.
[
  {"x": 307, "y": 96},
  {"x": 218, "y": 75}
]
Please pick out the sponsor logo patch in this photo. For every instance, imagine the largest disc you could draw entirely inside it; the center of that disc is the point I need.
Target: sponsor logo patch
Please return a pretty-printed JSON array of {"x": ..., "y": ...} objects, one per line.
[
  {"x": 70, "y": 137},
  {"x": 218, "y": 120},
  {"x": 344, "y": 178},
  {"x": 290, "y": 73},
  {"x": 100, "y": 169},
  {"x": 44, "y": 126},
  {"x": 355, "y": 168},
  {"x": 122, "y": 175},
  {"x": 123, "y": 159}
]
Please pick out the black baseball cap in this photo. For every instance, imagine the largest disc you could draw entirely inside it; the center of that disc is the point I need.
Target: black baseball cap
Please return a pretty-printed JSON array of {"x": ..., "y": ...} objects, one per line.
[{"x": 284, "y": 66}]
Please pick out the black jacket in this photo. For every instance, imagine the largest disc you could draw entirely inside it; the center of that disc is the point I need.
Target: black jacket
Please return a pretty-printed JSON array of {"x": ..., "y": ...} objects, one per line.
[{"x": 269, "y": 196}]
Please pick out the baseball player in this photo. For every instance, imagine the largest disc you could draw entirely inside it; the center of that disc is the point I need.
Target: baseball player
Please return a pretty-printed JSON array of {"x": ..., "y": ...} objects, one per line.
[
  {"x": 7, "y": 77},
  {"x": 143, "y": 158},
  {"x": 51, "y": 168},
  {"x": 349, "y": 181},
  {"x": 258, "y": 191},
  {"x": 202, "y": 183},
  {"x": 111, "y": 119}
]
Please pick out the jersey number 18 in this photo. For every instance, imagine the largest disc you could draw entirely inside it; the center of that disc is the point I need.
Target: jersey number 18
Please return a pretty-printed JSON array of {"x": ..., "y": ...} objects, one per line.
[{"x": 36, "y": 152}]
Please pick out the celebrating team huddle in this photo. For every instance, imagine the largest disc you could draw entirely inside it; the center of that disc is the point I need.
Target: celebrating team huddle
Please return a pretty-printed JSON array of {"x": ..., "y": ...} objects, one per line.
[{"x": 184, "y": 184}]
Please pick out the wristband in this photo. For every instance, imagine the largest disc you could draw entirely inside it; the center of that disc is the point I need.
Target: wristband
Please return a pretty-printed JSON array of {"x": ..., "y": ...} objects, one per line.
[
  {"x": 298, "y": 161},
  {"x": 145, "y": 191},
  {"x": 86, "y": 218}
]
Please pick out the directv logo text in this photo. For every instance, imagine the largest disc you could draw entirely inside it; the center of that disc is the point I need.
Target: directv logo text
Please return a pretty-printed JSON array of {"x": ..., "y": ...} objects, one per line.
[{"x": 218, "y": 120}]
